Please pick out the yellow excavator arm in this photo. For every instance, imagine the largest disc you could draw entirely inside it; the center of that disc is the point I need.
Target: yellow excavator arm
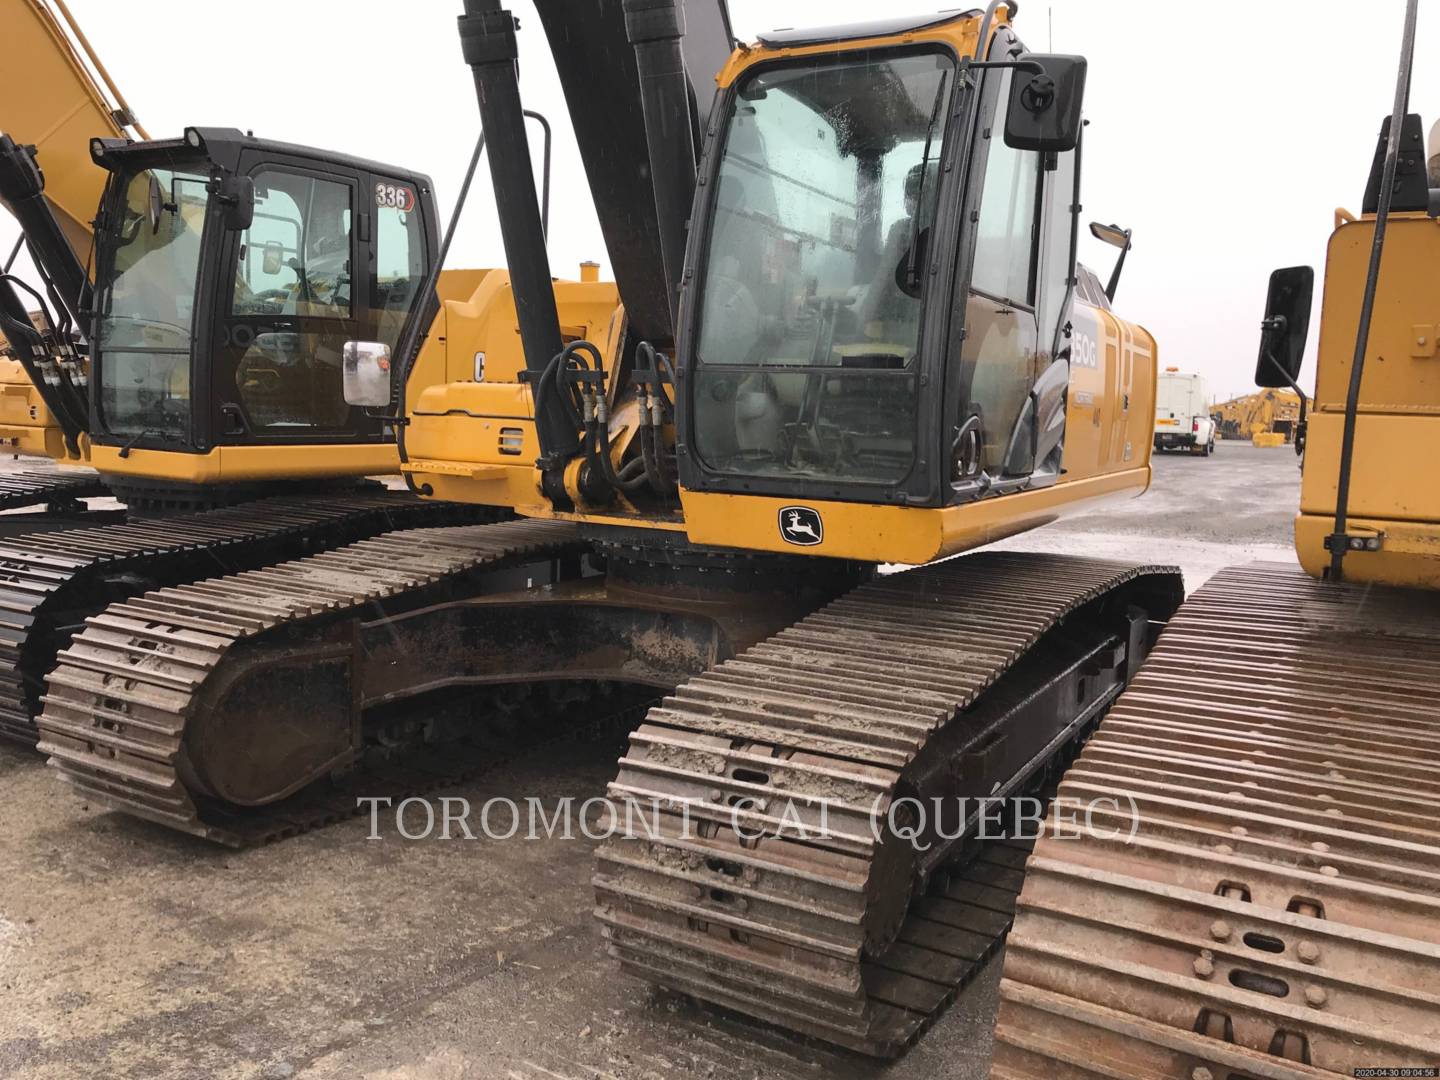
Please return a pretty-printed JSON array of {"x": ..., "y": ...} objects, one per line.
[
  {"x": 59, "y": 96},
  {"x": 54, "y": 99}
]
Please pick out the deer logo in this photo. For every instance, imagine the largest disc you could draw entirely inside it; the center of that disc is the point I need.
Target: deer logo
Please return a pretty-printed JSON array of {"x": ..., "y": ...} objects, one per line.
[{"x": 801, "y": 525}]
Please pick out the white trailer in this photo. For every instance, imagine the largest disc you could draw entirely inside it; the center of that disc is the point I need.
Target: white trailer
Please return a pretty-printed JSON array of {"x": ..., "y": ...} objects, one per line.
[{"x": 1182, "y": 413}]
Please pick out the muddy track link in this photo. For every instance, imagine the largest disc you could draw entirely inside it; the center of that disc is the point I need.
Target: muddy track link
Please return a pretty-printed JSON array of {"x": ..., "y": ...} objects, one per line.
[
  {"x": 848, "y": 707},
  {"x": 34, "y": 487},
  {"x": 49, "y": 582},
  {"x": 119, "y": 701},
  {"x": 1277, "y": 913}
]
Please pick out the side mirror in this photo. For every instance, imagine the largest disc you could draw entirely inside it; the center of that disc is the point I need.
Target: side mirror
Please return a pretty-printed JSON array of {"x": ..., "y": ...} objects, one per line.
[
  {"x": 154, "y": 203},
  {"x": 366, "y": 368},
  {"x": 236, "y": 196},
  {"x": 272, "y": 257},
  {"x": 1115, "y": 236},
  {"x": 1286, "y": 326},
  {"x": 1044, "y": 111}
]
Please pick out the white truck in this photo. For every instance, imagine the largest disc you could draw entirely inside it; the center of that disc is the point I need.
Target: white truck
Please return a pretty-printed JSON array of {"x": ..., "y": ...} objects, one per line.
[{"x": 1182, "y": 413}]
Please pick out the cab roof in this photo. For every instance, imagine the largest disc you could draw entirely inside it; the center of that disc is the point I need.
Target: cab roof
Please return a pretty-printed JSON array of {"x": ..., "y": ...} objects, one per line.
[{"x": 790, "y": 37}]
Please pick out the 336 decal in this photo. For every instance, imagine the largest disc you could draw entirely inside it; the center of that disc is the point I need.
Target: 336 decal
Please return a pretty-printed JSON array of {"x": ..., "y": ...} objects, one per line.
[{"x": 395, "y": 196}]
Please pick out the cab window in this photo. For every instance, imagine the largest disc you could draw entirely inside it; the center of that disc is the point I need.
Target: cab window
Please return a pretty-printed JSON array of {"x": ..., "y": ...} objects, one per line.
[
  {"x": 295, "y": 257},
  {"x": 810, "y": 325},
  {"x": 1005, "y": 231},
  {"x": 399, "y": 258}
]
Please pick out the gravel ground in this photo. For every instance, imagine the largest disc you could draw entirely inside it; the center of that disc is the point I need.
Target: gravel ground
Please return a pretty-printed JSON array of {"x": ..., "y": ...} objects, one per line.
[{"x": 127, "y": 951}]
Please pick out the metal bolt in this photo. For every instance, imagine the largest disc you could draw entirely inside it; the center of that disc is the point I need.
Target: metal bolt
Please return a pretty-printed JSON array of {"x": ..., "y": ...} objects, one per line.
[
  {"x": 1220, "y": 930},
  {"x": 1239, "y": 830},
  {"x": 1330, "y": 871},
  {"x": 1315, "y": 996},
  {"x": 1308, "y": 952},
  {"x": 1200, "y": 1072},
  {"x": 1224, "y": 849},
  {"x": 1203, "y": 967},
  {"x": 1320, "y": 845}
]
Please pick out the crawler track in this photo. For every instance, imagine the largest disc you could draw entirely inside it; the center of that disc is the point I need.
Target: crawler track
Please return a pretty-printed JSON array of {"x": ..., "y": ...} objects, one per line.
[
  {"x": 882, "y": 694},
  {"x": 120, "y": 700},
  {"x": 49, "y": 582},
  {"x": 35, "y": 487},
  {"x": 1277, "y": 913}
]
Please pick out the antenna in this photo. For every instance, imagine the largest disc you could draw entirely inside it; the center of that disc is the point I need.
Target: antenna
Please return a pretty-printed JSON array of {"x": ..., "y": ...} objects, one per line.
[{"x": 1050, "y": 21}]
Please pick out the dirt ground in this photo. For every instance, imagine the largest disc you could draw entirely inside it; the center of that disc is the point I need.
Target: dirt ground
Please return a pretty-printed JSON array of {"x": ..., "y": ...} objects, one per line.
[{"x": 127, "y": 951}]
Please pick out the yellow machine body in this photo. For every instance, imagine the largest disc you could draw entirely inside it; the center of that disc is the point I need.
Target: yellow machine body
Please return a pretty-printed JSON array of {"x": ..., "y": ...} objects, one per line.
[
  {"x": 1264, "y": 413},
  {"x": 52, "y": 101},
  {"x": 26, "y": 426},
  {"x": 475, "y": 441},
  {"x": 1393, "y": 491}
]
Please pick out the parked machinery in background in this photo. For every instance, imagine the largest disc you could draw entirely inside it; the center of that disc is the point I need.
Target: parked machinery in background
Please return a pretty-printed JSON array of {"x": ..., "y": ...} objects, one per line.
[
  {"x": 184, "y": 336},
  {"x": 1269, "y": 417}
]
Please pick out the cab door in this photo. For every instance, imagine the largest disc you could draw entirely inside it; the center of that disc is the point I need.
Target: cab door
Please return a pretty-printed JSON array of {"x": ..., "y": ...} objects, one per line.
[
  {"x": 999, "y": 356},
  {"x": 297, "y": 291}
]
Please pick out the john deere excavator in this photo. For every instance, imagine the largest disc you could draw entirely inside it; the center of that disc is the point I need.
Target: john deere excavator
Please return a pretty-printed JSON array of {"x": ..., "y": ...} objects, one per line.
[
  {"x": 848, "y": 333},
  {"x": 185, "y": 345},
  {"x": 1265, "y": 901}
]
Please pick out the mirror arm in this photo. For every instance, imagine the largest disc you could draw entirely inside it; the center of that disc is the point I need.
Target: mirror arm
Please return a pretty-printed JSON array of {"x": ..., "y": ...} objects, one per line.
[
  {"x": 1279, "y": 323},
  {"x": 1294, "y": 385},
  {"x": 1032, "y": 66},
  {"x": 1114, "y": 282},
  {"x": 968, "y": 65}
]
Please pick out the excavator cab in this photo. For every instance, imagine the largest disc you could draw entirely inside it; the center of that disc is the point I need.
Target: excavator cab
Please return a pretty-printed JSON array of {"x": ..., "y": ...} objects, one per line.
[
  {"x": 191, "y": 334},
  {"x": 867, "y": 325},
  {"x": 231, "y": 272}
]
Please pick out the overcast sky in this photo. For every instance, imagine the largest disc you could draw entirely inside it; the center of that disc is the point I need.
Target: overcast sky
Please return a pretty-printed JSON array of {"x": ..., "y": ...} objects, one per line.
[{"x": 1224, "y": 136}]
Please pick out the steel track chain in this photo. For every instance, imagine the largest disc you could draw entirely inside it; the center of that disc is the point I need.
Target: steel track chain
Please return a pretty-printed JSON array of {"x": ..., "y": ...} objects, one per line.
[
  {"x": 1277, "y": 912},
  {"x": 49, "y": 582},
  {"x": 822, "y": 936},
  {"x": 123, "y": 692}
]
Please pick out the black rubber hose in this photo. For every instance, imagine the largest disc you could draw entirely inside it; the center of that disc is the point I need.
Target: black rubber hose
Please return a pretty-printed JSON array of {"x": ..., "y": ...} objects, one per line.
[{"x": 608, "y": 469}]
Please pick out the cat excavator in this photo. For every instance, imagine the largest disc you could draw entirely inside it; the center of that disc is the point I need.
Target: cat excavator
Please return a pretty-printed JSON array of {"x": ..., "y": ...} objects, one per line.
[
  {"x": 178, "y": 354},
  {"x": 1258, "y": 894},
  {"x": 845, "y": 331}
]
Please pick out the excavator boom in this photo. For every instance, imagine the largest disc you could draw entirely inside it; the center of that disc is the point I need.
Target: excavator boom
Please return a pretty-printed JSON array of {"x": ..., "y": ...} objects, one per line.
[{"x": 55, "y": 102}]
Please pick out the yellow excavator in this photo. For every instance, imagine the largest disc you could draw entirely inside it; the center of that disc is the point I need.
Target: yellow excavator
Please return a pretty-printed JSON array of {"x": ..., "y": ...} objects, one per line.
[
  {"x": 186, "y": 353},
  {"x": 209, "y": 361},
  {"x": 846, "y": 330},
  {"x": 1265, "y": 413},
  {"x": 1258, "y": 894}
]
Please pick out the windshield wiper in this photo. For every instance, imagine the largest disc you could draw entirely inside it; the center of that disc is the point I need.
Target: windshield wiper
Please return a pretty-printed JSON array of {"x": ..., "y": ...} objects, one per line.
[
  {"x": 131, "y": 443},
  {"x": 911, "y": 279}
]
